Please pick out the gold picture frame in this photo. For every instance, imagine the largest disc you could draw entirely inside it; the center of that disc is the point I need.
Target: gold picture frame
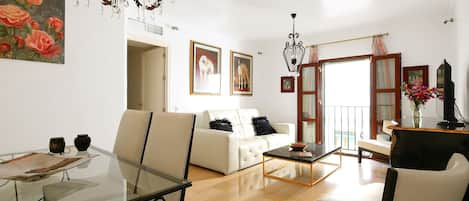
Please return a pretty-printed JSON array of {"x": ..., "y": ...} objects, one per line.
[
  {"x": 205, "y": 69},
  {"x": 241, "y": 74}
]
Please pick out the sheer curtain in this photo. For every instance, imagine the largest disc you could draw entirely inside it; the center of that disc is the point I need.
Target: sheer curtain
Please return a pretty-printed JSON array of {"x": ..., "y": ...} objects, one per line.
[
  {"x": 378, "y": 46},
  {"x": 313, "y": 54}
]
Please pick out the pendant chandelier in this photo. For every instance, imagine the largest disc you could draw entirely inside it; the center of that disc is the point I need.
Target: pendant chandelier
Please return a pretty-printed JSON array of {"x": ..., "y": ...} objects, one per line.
[
  {"x": 294, "y": 50},
  {"x": 118, "y": 5}
]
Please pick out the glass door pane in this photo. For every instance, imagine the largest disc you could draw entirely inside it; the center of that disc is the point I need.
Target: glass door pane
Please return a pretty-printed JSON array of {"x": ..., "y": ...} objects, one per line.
[
  {"x": 309, "y": 79},
  {"x": 385, "y": 106},
  {"x": 309, "y": 106},
  {"x": 309, "y": 131},
  {"x": 385, "y": 74}
]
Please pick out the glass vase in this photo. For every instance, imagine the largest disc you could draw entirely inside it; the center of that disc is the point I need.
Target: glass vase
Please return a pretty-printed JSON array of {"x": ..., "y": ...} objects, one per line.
[{"x": 417, "y": 115}]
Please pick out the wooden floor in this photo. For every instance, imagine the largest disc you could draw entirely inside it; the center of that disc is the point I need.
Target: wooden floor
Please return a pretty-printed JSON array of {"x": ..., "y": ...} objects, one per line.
[{"x": 249, "y": 184}]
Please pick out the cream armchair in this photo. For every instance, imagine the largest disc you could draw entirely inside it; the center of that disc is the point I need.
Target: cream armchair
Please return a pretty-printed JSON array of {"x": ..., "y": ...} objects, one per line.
[
  {"x": 227, "y": 152},
  {"x": 382, "y": 145},
  {"x": 416, "y": 185},
  {"x": 423, "y": 185}
]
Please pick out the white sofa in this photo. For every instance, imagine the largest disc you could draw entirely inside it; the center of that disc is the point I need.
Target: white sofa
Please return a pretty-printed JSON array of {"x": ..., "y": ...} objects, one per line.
[{"x": 228, "y": 152}]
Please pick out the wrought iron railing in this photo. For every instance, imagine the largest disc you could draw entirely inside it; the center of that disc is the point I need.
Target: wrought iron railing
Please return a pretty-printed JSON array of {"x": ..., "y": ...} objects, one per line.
[{"x": 344, "y": 125}]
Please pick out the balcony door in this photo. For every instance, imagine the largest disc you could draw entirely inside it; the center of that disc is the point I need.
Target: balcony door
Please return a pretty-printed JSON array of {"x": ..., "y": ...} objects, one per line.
[
  {"x": 346, "y": 102},
  {"x": 385, "y": 91},
  {"x": 309, "y": 104},
  {"x": 348, "y": 121}
]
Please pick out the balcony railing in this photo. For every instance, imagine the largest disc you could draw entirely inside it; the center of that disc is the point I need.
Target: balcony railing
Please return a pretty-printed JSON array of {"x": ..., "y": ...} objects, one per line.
[{"x": 344, "y": 125}]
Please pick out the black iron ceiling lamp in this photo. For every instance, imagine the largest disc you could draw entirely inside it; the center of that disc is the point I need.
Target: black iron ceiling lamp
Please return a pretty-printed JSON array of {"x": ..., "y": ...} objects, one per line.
[{"x": 294, "y": 51}]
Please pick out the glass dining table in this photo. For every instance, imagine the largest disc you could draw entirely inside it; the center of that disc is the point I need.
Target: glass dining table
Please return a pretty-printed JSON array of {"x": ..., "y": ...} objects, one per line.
[{"x": 105, "y": 178}]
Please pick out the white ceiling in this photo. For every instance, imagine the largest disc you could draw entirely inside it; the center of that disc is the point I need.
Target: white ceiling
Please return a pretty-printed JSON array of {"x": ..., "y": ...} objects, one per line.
[{"x": 255, "y": 19}]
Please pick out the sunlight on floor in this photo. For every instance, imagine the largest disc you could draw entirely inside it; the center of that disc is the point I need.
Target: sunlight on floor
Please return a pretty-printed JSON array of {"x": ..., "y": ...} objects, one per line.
[{"x": 249, "y": 184}]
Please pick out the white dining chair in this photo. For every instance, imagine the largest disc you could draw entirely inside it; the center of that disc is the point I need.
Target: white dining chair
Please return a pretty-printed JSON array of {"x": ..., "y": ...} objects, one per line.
[
  {"x": 168, "y": 147},
  {"x": 132, "y": 135}
]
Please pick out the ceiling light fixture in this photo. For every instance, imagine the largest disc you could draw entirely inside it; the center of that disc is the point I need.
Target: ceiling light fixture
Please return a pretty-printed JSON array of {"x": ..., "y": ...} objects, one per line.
[
  {"x": 294, "y": 52},
  {"x": 118, "y": 5}
]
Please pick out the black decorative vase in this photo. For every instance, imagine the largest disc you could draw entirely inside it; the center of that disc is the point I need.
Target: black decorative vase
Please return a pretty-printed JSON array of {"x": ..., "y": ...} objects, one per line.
[
  {"x": 57, "y": 145},
  {"x": 82, "y": 142}
]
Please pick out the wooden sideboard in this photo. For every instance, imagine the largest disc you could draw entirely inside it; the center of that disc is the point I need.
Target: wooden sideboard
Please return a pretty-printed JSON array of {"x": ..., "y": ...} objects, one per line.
[{"x": 427, "y": 148}]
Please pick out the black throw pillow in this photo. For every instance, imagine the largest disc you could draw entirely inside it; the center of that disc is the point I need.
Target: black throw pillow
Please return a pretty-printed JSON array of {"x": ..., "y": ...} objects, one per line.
[
  {"x": 221, "y": 124},
  {"x": 262, "y": 126}
]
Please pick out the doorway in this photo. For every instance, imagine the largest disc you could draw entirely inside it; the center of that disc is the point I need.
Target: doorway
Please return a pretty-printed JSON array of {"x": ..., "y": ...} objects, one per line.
[
  {"x": 146, "y": 76},
  {"x": 344, "y": 99},
  {"x": 346, "y": 102}
]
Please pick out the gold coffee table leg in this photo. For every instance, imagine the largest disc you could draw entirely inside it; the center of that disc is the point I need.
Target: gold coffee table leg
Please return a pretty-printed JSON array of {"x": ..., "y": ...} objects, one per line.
[{"x": 312, "y": 181}]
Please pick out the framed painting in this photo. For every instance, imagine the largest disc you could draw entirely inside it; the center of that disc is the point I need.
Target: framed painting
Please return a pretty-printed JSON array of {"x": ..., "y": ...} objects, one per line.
[
  {"x": 241, "y": 80},
  {"x": 287, "y": 84},
  {"x": 32, "y": 30},
  {"x": 414, "y": 75},
  {"x": 205, "y": 69}
]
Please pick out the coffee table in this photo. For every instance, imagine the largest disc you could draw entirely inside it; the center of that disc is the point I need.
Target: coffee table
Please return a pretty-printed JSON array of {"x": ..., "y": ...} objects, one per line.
[{"x": 319, "y": 154}]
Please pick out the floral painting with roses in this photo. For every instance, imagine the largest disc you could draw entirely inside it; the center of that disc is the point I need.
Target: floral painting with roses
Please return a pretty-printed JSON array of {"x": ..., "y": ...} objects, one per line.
[{"x": 32, "y": 30}]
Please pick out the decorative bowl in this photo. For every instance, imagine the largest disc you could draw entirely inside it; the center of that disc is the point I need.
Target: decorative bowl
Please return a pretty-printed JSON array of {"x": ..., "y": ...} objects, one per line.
[{"x": 298, "y": 146}]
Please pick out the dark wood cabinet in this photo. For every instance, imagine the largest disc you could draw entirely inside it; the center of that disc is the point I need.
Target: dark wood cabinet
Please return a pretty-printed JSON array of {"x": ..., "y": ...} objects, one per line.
[{"x": 428, "y": 148}]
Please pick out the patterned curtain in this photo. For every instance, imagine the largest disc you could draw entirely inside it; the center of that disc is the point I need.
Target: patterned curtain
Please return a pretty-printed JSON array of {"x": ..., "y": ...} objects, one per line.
[
  {"x": 378, "y": 46},
  {"x": 313, "y": 54}
]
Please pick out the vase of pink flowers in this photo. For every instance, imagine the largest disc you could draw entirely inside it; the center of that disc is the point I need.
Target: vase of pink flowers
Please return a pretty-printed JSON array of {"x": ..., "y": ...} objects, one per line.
[{"x": 418, "y": 95}]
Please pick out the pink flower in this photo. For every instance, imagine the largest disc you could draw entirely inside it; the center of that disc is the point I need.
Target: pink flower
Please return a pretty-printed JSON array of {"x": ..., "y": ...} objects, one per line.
[
  {"x": 419, "y": 94},
  {"x": 55, "y": 23},
  {"x": 13, "y": 16},
  {"x": 42, "y": 43}
]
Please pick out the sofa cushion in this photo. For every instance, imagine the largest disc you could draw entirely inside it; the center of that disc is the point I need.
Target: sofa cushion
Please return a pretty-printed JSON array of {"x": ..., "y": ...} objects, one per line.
[
  {"x": 250, "y": 151},
  {"x": 202, "y": 120},
  {"x": 377, "y": 146},
  {"x": 262, "y": 126},
  {"x": 276, "y": 140},
  {"x": 231, "y": 115},
  {"x": 245, "y": 117},
  {"x": 221, "y": 124}
]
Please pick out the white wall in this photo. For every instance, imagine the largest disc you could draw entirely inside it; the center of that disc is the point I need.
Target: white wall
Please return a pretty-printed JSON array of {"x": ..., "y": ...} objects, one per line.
[
  {"x": 178, "y": 43},
  {"x": 420, "y": 40},
  {"x": 85, "y": 95},
  {"x": 462, "y": 68}
]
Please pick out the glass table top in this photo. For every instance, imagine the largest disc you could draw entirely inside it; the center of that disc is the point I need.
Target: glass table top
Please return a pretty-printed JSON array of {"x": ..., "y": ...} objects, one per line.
[{"x": 105, "y": 177}]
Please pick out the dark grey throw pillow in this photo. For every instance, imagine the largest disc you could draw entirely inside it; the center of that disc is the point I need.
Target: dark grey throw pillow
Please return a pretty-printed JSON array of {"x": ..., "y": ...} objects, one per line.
[
  {"x": 221, "y": 124},
  {"x": 262, "y": 126}
]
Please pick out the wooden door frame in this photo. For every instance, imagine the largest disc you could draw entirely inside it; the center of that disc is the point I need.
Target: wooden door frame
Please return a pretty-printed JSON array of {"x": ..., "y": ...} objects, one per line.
[
  {"x": 300, "y": 94},
  {"x": 318, "y": 92},
  {"x": 374, "y": 91}
]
